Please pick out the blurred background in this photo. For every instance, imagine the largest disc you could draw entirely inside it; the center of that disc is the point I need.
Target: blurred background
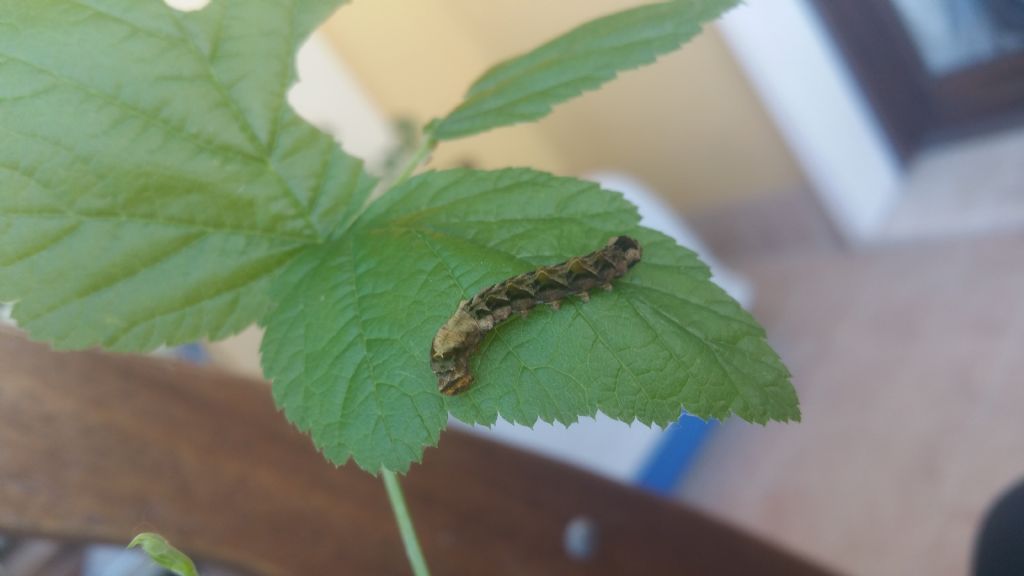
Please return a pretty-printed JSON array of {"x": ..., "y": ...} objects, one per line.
[{"x": 854, "y": 170}]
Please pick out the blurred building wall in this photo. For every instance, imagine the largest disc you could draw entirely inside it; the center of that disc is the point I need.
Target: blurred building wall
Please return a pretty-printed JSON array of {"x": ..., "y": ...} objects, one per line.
[{"x": 689, "y": 126}]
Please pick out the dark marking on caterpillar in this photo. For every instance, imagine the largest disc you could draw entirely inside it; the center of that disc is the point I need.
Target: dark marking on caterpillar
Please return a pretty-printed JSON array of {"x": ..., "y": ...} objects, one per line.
[{"x": 461, "y": 335}]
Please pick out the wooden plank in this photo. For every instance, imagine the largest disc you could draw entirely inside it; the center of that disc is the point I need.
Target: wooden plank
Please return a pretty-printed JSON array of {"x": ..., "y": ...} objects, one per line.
[{"x": 100, "y": 447}]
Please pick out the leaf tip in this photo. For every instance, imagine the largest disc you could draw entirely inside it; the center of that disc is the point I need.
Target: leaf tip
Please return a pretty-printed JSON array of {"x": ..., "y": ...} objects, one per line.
[{"x": 161, "y": 552}]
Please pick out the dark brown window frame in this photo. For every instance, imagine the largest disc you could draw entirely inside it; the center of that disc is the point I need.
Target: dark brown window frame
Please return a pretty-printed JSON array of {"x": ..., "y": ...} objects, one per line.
[{"x": 915, "y": 108}]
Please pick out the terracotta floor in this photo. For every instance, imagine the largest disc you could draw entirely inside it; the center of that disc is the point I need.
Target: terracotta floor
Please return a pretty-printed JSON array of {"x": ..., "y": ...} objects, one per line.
[
  {"x": 967, "y": 187},
  {"x": 910, "y": 365}
]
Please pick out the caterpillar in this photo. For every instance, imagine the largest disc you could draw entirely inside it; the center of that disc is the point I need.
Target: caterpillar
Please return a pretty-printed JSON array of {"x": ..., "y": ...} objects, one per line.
[{"x": 460, "y": 336}]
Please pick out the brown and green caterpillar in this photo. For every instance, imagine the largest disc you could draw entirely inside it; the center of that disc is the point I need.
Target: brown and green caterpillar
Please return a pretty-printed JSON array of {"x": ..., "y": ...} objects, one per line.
[{"x": 461, "y": 335}]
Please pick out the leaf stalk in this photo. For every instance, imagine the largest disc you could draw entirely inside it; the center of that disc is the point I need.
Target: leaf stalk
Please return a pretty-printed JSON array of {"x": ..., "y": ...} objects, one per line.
[
  {"x": 419, "y": 156},
  {"x": 412, "y": 544}
]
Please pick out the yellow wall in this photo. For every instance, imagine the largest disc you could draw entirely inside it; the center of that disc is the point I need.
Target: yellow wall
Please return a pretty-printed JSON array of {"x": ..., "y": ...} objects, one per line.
[{"x": 689, "y": 126}]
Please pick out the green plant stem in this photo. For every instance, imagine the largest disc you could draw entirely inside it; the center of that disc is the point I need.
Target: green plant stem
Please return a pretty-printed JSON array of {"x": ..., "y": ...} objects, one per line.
[
  {"x": 405, "y": 527},
  {"x": 412, "y": 544},
  {"x": 418, "y": 157}
]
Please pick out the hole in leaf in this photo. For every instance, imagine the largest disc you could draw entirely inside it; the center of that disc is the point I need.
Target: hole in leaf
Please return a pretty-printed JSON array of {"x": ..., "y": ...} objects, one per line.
[{"x": 187, "y": 5}]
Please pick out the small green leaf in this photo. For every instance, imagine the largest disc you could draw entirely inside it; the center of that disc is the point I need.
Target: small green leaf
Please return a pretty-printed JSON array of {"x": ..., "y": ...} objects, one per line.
[
  {"x": 525, "y": 88},
  {"x": 160, "y": 551},
  {"x": 348, "y": 344},
  {"x": 152, "y": 176}
]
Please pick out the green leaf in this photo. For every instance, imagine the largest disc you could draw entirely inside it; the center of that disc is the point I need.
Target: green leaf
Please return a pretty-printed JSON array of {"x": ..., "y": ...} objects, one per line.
[
  {"x": 348, "y": 345},
  {"x": 152, "y": 176},
  {"x": 525, "y": 88},
  {"x": 166, "y": 556}
]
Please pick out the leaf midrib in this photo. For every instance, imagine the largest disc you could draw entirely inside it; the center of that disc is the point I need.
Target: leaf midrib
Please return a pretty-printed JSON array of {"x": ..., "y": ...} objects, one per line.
[
  {"x": 241, "y": 118},
  {"x": 543, "y": 65}
]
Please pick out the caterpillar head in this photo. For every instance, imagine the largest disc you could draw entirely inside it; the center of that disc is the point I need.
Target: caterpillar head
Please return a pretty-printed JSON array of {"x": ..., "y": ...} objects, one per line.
[
  {"x": 454, "y": 382},
  {"x": 451, "y": 348}
]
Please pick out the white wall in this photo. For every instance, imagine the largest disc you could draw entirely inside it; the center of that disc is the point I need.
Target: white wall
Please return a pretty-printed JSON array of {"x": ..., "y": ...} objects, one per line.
[{"x": 820, "y": 110}]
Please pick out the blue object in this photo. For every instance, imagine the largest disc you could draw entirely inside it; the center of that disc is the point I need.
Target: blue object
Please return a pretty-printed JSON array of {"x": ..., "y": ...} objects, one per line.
[
  {"x": 193, "y": 352},
  {"x": 675, "y": 455}
]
